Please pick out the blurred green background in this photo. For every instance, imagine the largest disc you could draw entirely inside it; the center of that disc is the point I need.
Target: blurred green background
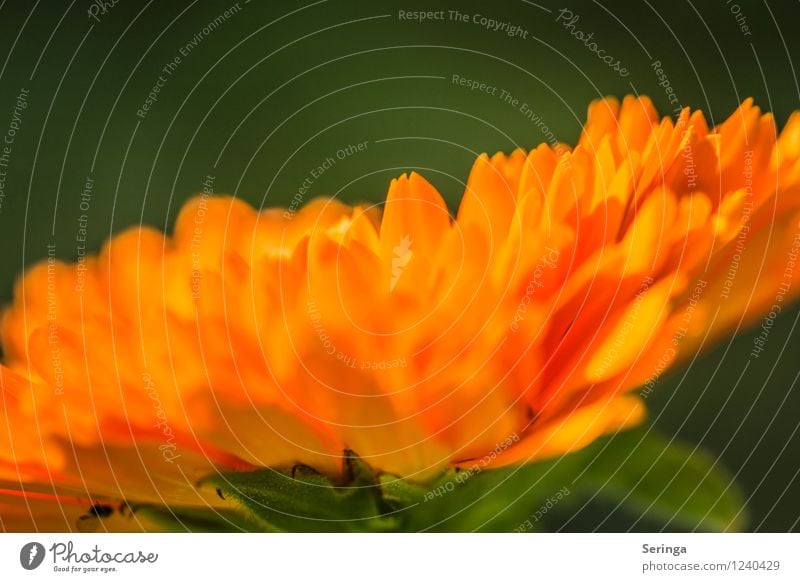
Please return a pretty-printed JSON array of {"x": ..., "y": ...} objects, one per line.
[{"x": 263, "y": 95}]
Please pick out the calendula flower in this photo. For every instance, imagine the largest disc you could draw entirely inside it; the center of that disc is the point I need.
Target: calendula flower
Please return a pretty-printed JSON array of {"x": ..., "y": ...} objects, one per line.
[{"x": 519, "y": 329}]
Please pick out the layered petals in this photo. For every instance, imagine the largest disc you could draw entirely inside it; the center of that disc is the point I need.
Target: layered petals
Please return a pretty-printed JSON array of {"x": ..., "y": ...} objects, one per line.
[{"x": 419, "y": 340}]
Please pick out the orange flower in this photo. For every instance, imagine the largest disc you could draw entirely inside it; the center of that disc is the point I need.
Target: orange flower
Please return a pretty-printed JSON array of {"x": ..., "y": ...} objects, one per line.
[{"x": 518, "y": 330}]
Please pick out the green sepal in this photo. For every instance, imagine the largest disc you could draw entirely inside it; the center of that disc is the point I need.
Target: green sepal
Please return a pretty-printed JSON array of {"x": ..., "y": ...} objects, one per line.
[{"x": 302, "y": 500}]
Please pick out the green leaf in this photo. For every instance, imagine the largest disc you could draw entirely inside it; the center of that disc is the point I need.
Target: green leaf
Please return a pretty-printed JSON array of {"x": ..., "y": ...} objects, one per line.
[
  {"x": 664, "y": 482},
  {"x": 636, "y": 480}
]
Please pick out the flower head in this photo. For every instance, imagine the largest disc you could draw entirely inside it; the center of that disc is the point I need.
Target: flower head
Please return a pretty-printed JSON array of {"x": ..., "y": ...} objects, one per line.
[{"x": 517, "y": 329}]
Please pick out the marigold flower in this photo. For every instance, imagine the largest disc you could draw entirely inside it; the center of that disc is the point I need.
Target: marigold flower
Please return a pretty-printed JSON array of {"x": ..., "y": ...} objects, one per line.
[{"x": 517, "y": 330}]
